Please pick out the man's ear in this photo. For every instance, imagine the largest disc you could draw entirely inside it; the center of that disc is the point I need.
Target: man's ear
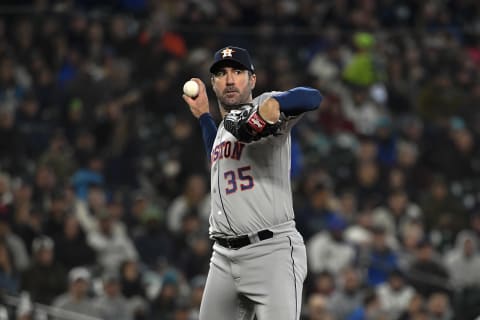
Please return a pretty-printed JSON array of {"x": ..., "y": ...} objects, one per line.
[
  {"x": 212, "y": 82},
  {"x": 253, "y": 81}
]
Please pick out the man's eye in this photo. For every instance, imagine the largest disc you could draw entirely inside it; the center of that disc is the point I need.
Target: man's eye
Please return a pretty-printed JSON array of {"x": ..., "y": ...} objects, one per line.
[
  {"x": 219, "y": 73},
  {"x": 238, "y": 71}
]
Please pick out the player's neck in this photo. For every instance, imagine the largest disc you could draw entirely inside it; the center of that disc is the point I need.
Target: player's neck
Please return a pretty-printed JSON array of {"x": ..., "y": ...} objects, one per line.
[{"x": 223, "y": 112}]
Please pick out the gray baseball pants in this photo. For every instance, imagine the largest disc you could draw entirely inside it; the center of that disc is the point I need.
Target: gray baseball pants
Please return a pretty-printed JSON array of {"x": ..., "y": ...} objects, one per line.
[{"x": 263, "y": 279}]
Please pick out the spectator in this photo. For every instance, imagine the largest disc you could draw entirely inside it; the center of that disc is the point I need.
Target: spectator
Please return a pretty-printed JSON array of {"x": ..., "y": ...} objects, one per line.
[
  {"x": 316, "y": 212},
  {"x": 6, "y": 196},
  {"x": 381, "y": 259},
  {"x": 416, "y": 309},
  {"x": 152, "y": 241},
  {"x": 348, "y": 205},
  {"x": 76, "y": 299},
  {"x": 195, "y": 257},
  {"x": 411, "y": 235},
  {"x": 349, "y": 294},
  {"x": 112, "y": 246},
  {"x": 361, "y": 111},
  {"x": 143, "y": 206},
  {"x": 112, "y": 305},
  {"x": 387, "y": 141},
  {"x": 370, "y": 308},
  {"x": 134, "y": 288},
  {"x": 43, "y": 187},
  {"x": 28, "y": 223},
  {"x": 426, "y": 274},
  {"x": 15, "y": 245},
  {"x": 9, "y": 276},
  {"x": 13, "y": 157},
  {"x": 87, "y": 210},
  {"x": 45, "y": 279},
  {"x": 442, "y": 211},
  {"x": 463, "y": 260},
  {"x": 26, "y": 219},
  {"x": 397, "y": 212},
  {"x": 72, "y": 249},
  {"x": 327, "y": 250},
  {"x": 194, "y": 200},
  {"x": 164, "y": 303},
  {"x": 438, "y": 306},
  {"x": 332, "y": 118},
  {"x": 198, "y": 286},
  {"x": 115, "y": 136},
  {"x": 131, "y": 280},
  {"x": 59, "y": 157},
  {"x": 326, "y": 64},
  {"x": 322, "y": 283},
  {"x": 55, "y": 219},
  {"x": 34, "y": 128},
  {"x": 415, "y": 172},
  {"x": 317, "y": 308},
  {"x": 369, "y": 190},
  {"x": 456, "y": 145},
  {"x": 395, "y": 294},
  {"x": 88, "y": 175},
  {"x": 359, "y": 233},
  {"x": 360, "y": 71},
  {"x": 439, "y": 99}
]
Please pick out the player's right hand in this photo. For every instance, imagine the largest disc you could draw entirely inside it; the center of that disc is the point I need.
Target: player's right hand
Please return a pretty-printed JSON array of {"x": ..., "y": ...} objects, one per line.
[{"x": 198, "y": 105}]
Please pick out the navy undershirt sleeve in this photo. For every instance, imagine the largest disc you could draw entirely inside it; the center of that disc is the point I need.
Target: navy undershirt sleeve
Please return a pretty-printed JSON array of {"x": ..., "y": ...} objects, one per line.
[
  {"x": 298, "y": 100},
  {"x": 209, "y": 131}
]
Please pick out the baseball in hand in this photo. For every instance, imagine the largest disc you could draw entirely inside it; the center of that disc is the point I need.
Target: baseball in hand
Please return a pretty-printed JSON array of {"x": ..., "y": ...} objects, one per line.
[{"x": 190, "y": 88}]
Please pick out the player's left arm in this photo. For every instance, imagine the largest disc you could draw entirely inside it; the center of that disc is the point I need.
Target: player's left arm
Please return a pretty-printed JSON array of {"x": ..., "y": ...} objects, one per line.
[{"x": 291, "y": 103}]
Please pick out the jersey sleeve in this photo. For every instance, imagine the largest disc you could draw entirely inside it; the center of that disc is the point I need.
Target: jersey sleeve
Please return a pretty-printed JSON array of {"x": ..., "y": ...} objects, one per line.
[
  {"x": 298, "y": 100},
  {"x": 293, "y": 103},
  {"x": 209, "y": 132}
]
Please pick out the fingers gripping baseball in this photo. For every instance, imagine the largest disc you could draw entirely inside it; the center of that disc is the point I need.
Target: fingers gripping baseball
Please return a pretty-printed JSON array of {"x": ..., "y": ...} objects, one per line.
[
  {"x": 198, "y": 104},
  {"x": 247, "y": 125}
]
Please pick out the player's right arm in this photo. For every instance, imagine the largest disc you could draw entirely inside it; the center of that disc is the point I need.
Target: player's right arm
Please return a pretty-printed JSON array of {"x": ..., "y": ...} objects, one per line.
[{"x": 201, "y": 110}]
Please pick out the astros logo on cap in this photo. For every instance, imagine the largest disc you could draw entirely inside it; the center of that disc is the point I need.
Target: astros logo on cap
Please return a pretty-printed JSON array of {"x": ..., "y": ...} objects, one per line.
[{"x": 227, "y": 52}]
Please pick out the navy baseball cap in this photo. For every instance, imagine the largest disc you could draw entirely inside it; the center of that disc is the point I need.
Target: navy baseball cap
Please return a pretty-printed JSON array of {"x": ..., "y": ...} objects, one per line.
[{"x": 231, "y": 55}]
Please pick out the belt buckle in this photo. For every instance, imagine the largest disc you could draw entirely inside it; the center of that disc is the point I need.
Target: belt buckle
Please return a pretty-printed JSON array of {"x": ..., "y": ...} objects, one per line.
[{"x": 229, "y": 244}]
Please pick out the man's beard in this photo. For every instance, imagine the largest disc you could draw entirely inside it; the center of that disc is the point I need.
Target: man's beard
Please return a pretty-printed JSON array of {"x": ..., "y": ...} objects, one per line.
[{"x": 232, "y": 104}]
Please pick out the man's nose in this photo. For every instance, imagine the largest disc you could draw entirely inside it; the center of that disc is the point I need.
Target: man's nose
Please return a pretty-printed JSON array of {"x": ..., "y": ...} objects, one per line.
[{"x": 230, "y": 78}]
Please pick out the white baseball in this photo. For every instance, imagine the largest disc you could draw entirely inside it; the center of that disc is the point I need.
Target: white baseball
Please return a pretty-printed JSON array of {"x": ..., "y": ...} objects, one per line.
[{"x": 190, "y": 88}]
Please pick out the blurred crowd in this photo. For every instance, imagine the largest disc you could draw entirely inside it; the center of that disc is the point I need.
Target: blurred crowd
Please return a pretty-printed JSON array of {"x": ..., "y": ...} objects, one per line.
[{"x": 104, "y": 195}]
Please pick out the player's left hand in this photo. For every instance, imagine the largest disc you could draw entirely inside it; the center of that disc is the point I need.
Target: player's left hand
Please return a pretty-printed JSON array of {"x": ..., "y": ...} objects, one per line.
[{"x": 247, "y": 125}]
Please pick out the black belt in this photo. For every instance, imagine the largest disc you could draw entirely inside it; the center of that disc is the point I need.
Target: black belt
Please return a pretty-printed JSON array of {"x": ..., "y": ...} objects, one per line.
[{"x": 242, "y": 241}]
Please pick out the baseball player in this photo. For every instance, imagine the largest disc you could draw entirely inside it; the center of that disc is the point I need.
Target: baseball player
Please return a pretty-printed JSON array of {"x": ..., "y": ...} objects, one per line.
[{"x": 258, "y": 264}]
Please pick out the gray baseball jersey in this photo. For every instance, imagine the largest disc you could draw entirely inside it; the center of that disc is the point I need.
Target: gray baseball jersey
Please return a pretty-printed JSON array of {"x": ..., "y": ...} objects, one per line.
[
  {"x": 250, "y": 183},
  {"x": 250, "y": 191}
]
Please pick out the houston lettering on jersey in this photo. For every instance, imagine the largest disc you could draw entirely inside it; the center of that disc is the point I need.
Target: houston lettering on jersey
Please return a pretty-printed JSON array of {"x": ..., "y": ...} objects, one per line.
[{"x": 227, "y": 149}]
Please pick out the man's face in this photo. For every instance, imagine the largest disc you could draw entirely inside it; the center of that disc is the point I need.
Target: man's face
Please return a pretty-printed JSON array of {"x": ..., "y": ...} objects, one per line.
[
  {"x": 79, "y": 288},
  {"x": 233, "y": 86}
]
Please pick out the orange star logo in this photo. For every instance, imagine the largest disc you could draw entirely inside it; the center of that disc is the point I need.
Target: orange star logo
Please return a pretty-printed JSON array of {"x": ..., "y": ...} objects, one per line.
[{"x": 227, "y": 52}]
